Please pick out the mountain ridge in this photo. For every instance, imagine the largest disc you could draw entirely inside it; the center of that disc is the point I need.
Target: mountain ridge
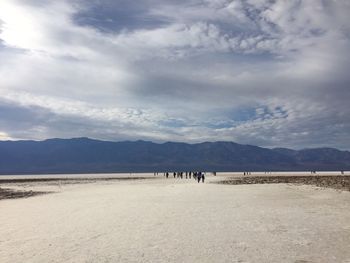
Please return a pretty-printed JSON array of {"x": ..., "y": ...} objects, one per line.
[{"x": 85, "y": 155}]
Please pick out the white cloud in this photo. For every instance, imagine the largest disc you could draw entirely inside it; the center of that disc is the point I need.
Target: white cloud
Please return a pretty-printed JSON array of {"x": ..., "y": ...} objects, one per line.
[{"x": 4, "y": 136}]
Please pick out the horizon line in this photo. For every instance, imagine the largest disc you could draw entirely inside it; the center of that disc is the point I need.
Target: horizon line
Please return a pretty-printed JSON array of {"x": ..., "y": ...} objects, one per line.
[{"x": 165, "y": 142}]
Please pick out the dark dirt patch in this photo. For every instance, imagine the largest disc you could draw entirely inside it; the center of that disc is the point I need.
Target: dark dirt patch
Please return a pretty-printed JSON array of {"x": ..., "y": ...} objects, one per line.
[
  {"x": 68, "y": 180},
  {"x": 7, "y": 193},
  {"x": 336, "y": 182}
]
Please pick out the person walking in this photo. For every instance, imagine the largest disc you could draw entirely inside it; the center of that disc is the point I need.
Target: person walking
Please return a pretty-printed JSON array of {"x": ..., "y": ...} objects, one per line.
[
  {"x": 199, "y": 176},
  {"x": 203, "y": 177}
]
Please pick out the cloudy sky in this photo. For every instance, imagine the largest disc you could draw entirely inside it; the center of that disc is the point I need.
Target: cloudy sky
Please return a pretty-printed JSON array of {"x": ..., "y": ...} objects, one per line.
[{"x": 263, "y": 72}]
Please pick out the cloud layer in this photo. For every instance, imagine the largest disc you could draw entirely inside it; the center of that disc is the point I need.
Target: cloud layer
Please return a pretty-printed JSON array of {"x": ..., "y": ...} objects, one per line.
[{"x": 271, "y": 73}]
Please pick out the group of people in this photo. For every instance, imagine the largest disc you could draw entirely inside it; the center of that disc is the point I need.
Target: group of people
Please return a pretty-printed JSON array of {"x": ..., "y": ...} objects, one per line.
[{"x": 199, "y": 176}]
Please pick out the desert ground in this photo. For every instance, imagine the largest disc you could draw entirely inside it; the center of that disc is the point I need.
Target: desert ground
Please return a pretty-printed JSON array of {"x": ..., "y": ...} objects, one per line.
[{"x": 153, "y": 219}]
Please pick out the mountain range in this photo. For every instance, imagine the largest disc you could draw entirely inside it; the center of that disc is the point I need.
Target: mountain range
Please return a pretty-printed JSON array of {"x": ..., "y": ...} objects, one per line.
[{"x": 84, "y": 155}]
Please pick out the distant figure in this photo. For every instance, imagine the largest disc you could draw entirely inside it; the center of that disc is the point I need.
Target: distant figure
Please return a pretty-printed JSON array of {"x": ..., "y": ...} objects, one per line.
[
  {"x": 342, "y": 172},
  {"x": 186, "y": 175},
  {"x": 167, "y": 174},
  {"x": 243, "y": 173},
  {"x": 199, "y": 176},
  {"x": 174, "y": 174},
  {"x": 203, "y": 177},
  {"x": 189, "y": 175},
  {"x": 214, "y": 173}
]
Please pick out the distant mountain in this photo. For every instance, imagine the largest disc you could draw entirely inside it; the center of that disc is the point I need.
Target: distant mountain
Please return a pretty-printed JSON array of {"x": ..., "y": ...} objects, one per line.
[{"x": 84, "y": 155}]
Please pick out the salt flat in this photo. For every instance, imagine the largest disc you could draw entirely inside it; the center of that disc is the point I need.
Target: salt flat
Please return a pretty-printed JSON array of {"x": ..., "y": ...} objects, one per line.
[{"x": 174, "y": 220}]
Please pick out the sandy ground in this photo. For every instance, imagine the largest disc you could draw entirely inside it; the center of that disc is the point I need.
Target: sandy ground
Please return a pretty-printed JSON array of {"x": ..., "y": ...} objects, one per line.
[{"x": 176, "y": 221}]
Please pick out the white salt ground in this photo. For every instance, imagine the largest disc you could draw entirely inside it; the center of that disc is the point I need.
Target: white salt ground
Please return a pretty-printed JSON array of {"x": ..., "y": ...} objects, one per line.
[{"x": 177, "y": 221}]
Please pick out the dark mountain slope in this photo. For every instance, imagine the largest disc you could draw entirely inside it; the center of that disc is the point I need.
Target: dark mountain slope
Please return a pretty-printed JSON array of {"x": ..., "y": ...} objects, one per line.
[{"x": 83, "y": 155}]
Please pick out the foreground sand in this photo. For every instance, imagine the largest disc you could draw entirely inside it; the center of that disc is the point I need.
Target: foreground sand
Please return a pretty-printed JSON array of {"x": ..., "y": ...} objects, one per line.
[{"x": 176, "y": 221}]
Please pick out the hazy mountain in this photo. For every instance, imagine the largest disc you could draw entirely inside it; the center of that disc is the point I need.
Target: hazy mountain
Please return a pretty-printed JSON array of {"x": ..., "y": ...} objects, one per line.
[{"x": 83, "y": 155}]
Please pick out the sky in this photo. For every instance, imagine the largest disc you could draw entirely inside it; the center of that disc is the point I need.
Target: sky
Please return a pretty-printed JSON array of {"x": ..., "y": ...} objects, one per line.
[{"x": 262, "y": 72}]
